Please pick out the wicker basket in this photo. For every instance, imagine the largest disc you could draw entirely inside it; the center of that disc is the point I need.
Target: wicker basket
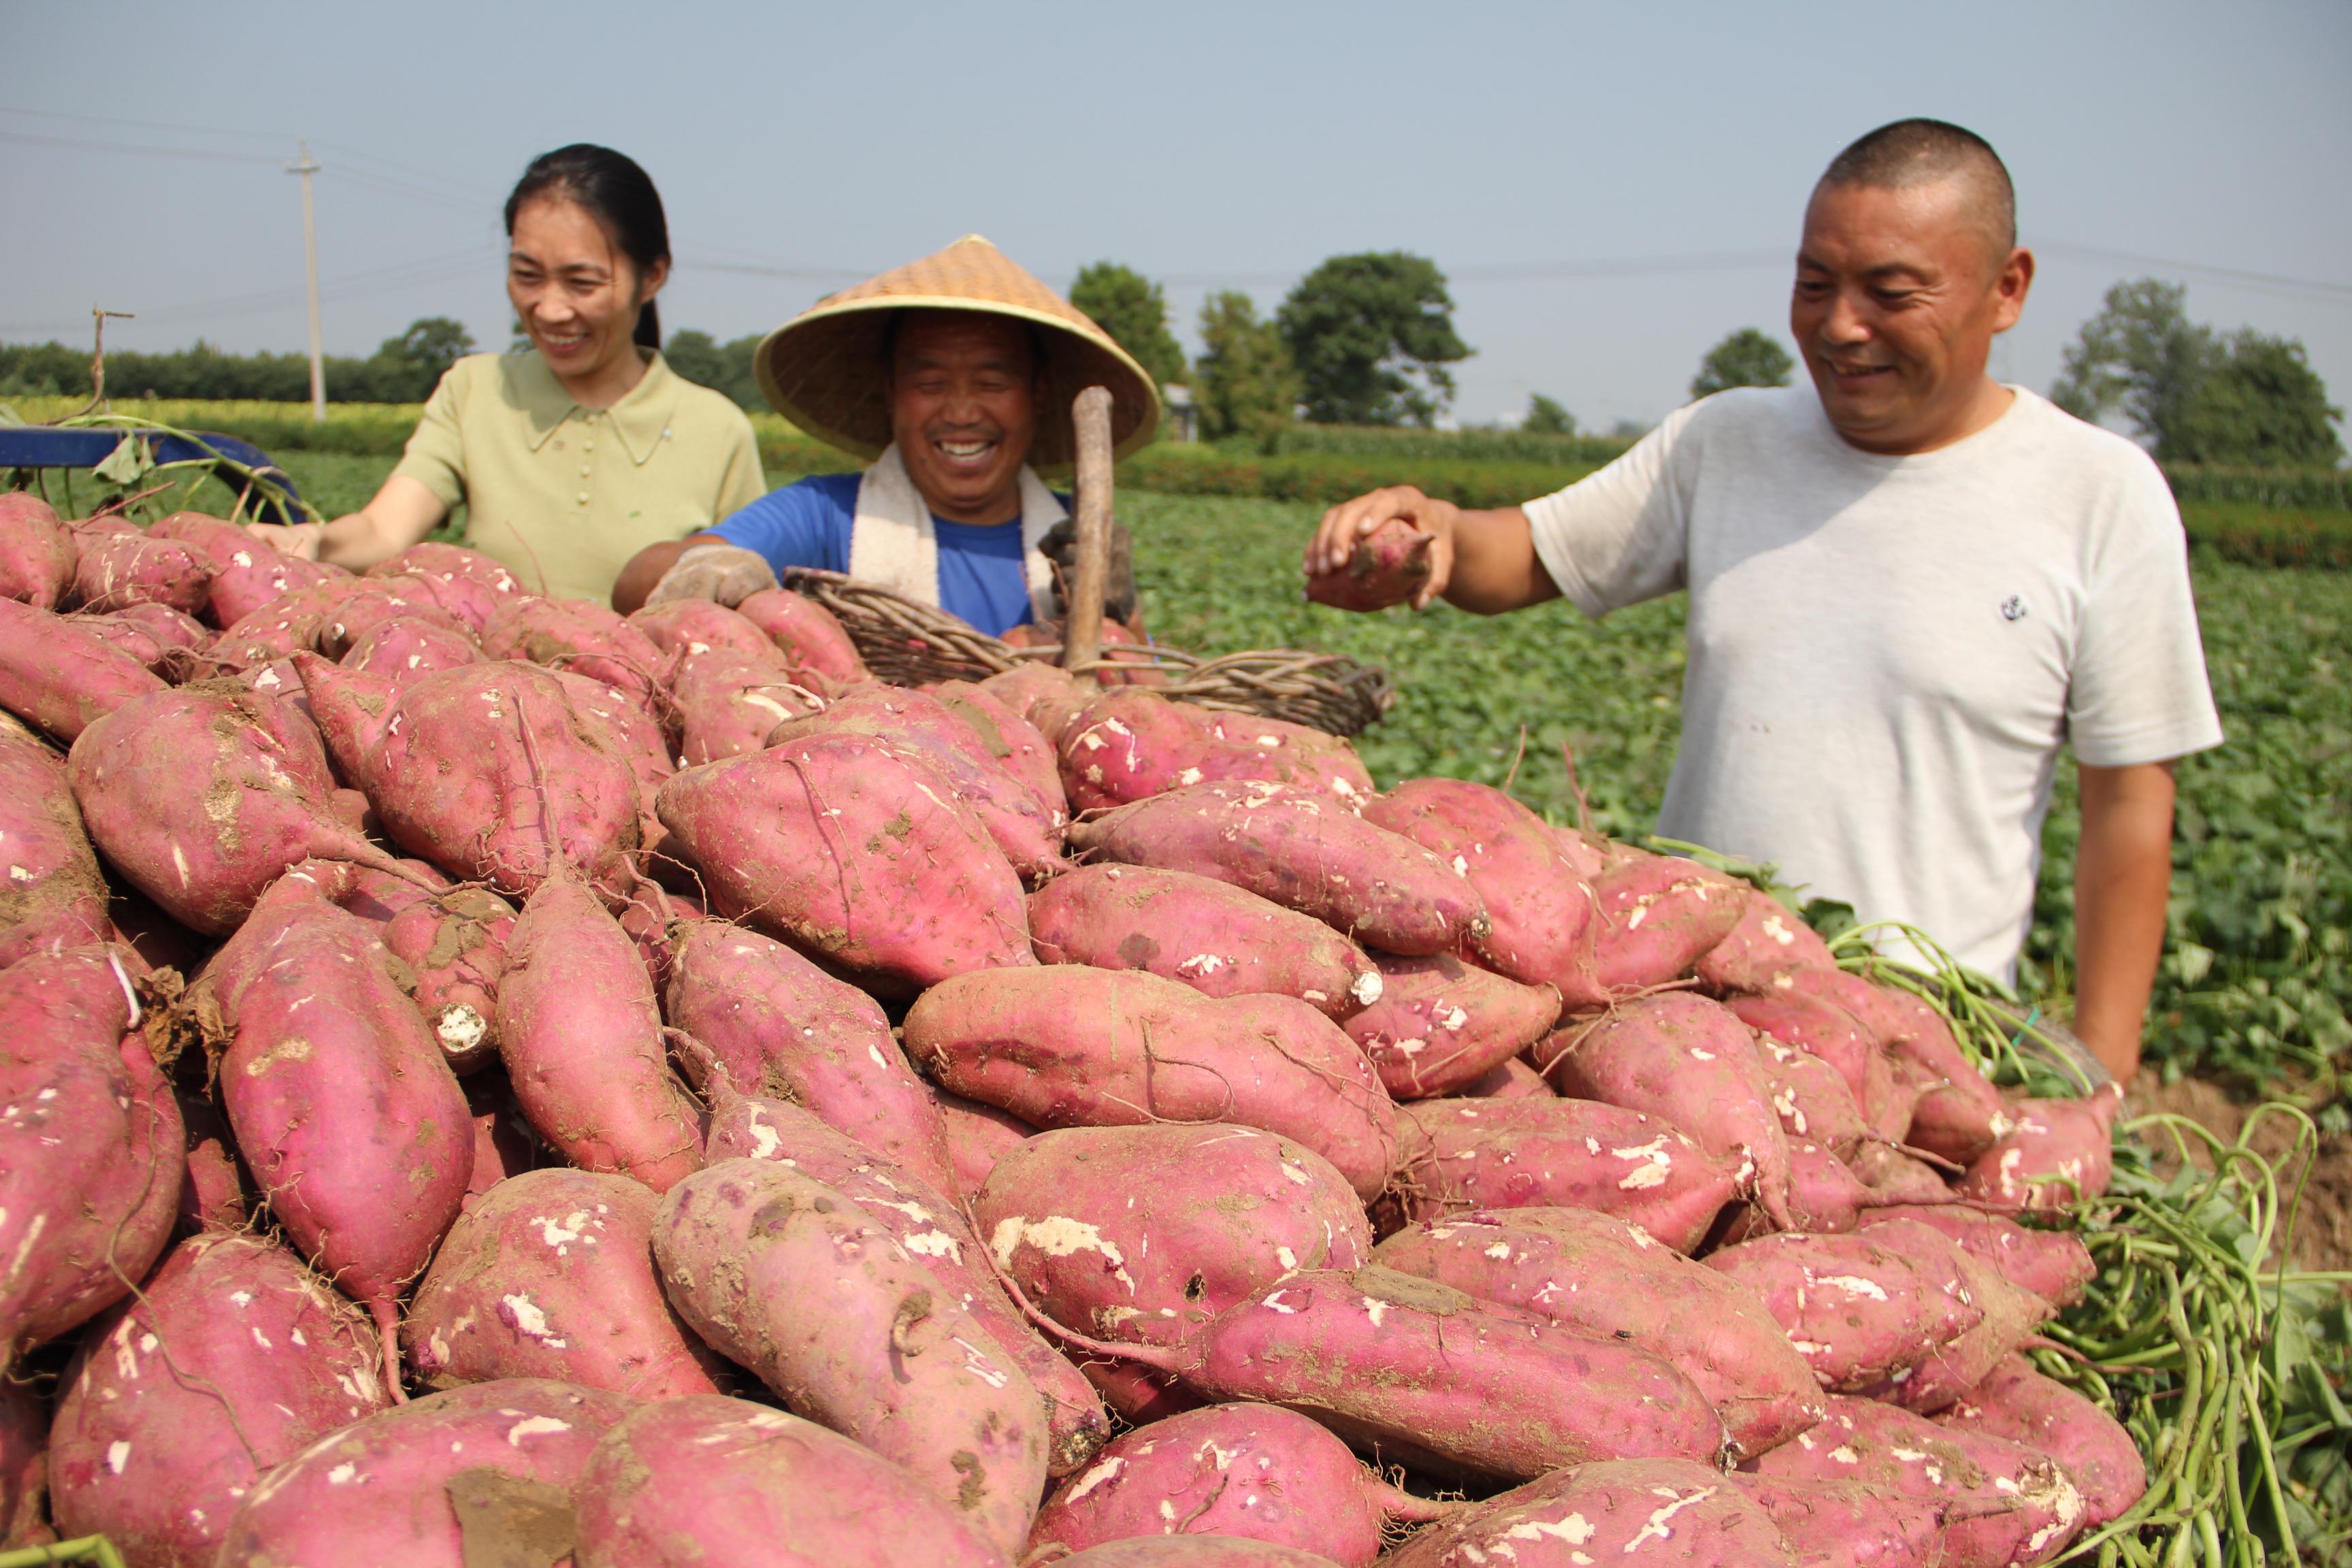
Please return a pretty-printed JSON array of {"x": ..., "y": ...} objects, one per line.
[{"x": 909, "y": 643}]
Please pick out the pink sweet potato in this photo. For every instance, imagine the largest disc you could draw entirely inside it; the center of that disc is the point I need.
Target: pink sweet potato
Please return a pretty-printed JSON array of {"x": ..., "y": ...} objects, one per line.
[
  {"x": 1066, "y": 1046},
  {"x": 377, "y": 600},
  {"x": 2052, "y": 1263},
  {"x": 1893, "y": 1176},
  {"x": 1465, "y": 1154},
  {"x": 1864, "y": 1311},
  {"x": 453, "y": 946},
  {"x": 91, "y": 1157},
  {"x": 1192, "y": 1551},
  {"x": 2057, "y": 1153},
  {"x": 132, "y": 567},
  {"x": 36, "y": 552},
  {"x": 1296, "y": 753},
  {"x": 1685, "y": 1058},
  {"x": 233, "y": 1358},
  {"x": 213, "y": 1196},
  {"x": 552, "y": 1275},
  {"x": 846, "y": 848},
  {"x": 1825, "y": 1196},
  {"x": 1812, "y": 1099},
  {"x": 1210, "y": 935},
  {"x": 1652, "y": 1511},
  {"x": 127, "y": 636},
  {"x": 1439, "y": 1024},
  {"x": 401, "y": 647},
  {"x": 882, "y": 1354},
  {"x": 580, "y": 1033},
  {"x": 699, "y": 626},
  {"x": 1127, "y": 744},
  {"x": 1513, "y": 1079},
  {"x": 195, "y": 797},
  {"x": 1656, "y": 916},
  {"x": 1602, "y": 1277},
  {"x": 2008, "y": 1506},
  {"x": 1387, "y": 567},
  {"x": 978, "y": 1136},
  {"x": 579, "y": 637},
  {"x": 1257, "y": 1472},
  {"x": 728, "y": 702},
  {"x": 173, "y": 632},
  {"x": 784, "y": 1027},
  {"x": 351, "y": 1123},
  {"x": 2019, "y": 1404},
  {"x": 931, "y": 1227},
  {"x": 1043, "y": 694},
  {"x": 464, "y": 581},
  {"x": 807, "y": 635},
  {"x": 699, "y": 1482},
  {"x": 24, "y": 1467},
  {"x": 635, "y": 734},
  {"x": 59, "y": 675},
  {"x": 2011, "y": 1312},
  {"x": 1819, "y": 1028},
  {"x": 1146, "y": 1233},
  {"x": 1848, "y": 1524},
  {"x": 1537, "y": 905},
  {"x": 54, "y": 896},
  {"x": 390, "y": 1489},
  {"x": 488, "y": 771},
  {"x": 246, "y": 573},
  {"x": 1768, "y": 938},
  {"x": 1959, "y": 1115},
  {"x": 1301, "y": 850},
  {"x": 1019, "y": 747}
]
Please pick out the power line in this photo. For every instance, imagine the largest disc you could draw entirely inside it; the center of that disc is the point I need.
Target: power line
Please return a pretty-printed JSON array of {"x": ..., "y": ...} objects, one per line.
[
  {"x": 204, "y": 155},
  {"x": 145, "y": 124},
  {"x": 357, "y": 285}
]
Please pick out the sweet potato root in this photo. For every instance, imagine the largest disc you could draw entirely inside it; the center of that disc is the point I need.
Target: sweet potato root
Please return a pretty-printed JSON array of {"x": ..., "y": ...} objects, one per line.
[
  {"x": 728, "y": 702},
  {"x": 2052, "y": 1263},
  {"x": 54, "y": 896},
  {"x": 1768, "y": 938},
  {"x": 579, "y": 637},
  {"x": 134, "y": 567},
  {"x": 2057, "y": 1153},
  {"x": 59, "y": 676},
  {"x": 1439, "y": 1024},
  {"x": 1387, "y": 567},
  {"x": 807, "y": 635},
  {"x": 36, "y": 552},
  {"x": 1538, "y": 907},
  {"x": 2019, "y": 1404},
  {"x": 1656, "y": 917},
  {"x": 1652, "y": 1511}
]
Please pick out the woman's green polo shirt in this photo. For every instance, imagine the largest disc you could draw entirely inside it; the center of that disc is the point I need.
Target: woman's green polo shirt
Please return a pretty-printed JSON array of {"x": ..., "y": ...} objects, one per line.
[{"x": 561, "y": 495}]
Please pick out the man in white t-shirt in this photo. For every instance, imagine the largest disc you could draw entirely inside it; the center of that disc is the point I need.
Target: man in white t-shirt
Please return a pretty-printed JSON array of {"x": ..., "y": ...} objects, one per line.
[{"x": 1908, "y": 586}]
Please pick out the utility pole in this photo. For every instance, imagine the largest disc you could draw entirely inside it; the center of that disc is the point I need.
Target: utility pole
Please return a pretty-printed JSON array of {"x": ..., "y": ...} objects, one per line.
[{"x": 306, "y": 167}]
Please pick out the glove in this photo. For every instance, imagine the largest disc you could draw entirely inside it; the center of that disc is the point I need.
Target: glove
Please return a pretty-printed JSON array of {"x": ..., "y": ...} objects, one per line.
[
  {"x": 724, "y": 574},
  {"x": 1060, "y": 546}
]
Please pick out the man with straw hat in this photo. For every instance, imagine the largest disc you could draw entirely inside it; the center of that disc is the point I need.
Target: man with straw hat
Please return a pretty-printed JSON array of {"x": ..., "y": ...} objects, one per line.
[{"x": 953, "y": 377}]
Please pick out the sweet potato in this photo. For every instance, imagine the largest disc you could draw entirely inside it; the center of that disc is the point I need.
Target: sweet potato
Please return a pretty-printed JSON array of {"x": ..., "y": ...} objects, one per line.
[
  {"x": 402, "y": 647},
  {"x": 1464, "y": 1154},
  {"x": 351, "y": 1122},
  {"x": 1066, "y": 1046},
  {"x": 2057, "y": 1153},
  {"x": 1146, "y": 1233},
  {"x": 174, "y": 632},
  {"x": 54, "y": 896},
  {"x": 1895, "y": 1177},
  {"x": 1387, "y": 567},
  {"x": 36, "y": 552},
  {"x": 728, "y": 702},
  {"x": 90, "y": 1158},
  {"x": 127, "y": 636},
  {"x": 1768, "y": 938},
  {"x": 1019, "y": 747},
  {"x": 579, "y": 637},
  {"x": 2009, "y": 1506},
  {"x": 453, "y": 946},
  {"x": 1127, "y": 744},
  {"x": 704, "y": 1481},
  {"x": 1812, "y": 1099},
  {"x": 552, "y": 1275},
  {"x": 2052, "y": 1263},
  {"x": 841, "y": 845},
  {"x": 488, "y": 771},
  {"x": 1513, "y": 1079},
  {"x": 1538, "y": 907},
  {"x": 1848, "y": 1524},
  {"x": 1301, "y": 850},
  {"x": 1192, "y": 1550},
  {"x": 245, "y": 572},
  {"x": 1602, "y": 1277},
  {"x": 1655, "y": 917},
  {"x": 504, "y": 1144},
  {"x": 640, "y": 740},
  {"x": 59, "y": 676},
  {"x": 24, "y": 1467},
  {"x": 1439, "y": 1024},
  {"x": 213, "y": 1193},
  {"x": 787, "y": 1276},
  {"x": 1653, "y": 1511},
  {"x": 1825, "y": 1197},
  {"x": 1959, "y": 1115},
  {"x": 784, "y": 1027},
  {"x": 1865, "y": 1311},
  {"x": 374, "y": 602},
  {"x": 978, "y": 1136},
  {"x": 580, "y": 1033},
  {"x": 2019, "y": 1404},
  {"x": 464, "y": 581},
  {"x": 1041, "y": 693},
  {"x": 2011, "y": 1312},
  {"x": 1257, "y": 1472},
  {"x": 931, "y": 1227},
  {"x": 1210, "y": 935},
  {"x": 807, "y": 634},
  {"x": 279, "y": 627},
  {"x": 1685, "y": 1058},
  {"x": 132, "y": 567},
  {"x": 381, "y": 1490},
  {"x": 232, "y": 1359},
  {"x": 1822, "y": 1028},
  {"x": 699, "y": 626},
  {"x": 195, "y": 797}
]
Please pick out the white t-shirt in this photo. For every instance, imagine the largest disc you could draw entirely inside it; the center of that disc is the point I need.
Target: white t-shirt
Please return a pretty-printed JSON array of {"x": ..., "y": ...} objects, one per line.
[{"x": 1887, "y": 653}]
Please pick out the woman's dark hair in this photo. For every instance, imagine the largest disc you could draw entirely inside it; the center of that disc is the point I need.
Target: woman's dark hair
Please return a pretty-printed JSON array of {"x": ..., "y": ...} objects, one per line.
[{"x": 617, "y": 194}]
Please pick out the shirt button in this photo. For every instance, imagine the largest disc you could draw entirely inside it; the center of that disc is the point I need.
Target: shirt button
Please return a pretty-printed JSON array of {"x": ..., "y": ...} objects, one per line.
[
  {"x": 583, "y": 470},
  {"x": 584, "y": 498},
  {"x": 588, "y": 446}
]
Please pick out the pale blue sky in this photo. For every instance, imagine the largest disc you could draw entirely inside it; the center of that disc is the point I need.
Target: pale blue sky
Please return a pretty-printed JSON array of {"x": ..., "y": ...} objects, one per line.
[{"x": 1206, "y": 144}]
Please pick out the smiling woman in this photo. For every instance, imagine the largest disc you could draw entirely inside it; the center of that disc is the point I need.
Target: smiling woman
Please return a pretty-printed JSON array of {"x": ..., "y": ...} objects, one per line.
[{"x": 573, "y": 456}]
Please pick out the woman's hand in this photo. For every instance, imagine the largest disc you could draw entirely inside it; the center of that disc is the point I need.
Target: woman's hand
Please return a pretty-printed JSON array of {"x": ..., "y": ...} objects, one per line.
[
  {"x": 301, "y": 539},
  {"x": 403, "y": 512}
]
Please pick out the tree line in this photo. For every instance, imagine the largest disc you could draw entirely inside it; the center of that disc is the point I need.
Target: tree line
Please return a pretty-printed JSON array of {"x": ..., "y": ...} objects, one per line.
[{"x": 403, "y": 368}]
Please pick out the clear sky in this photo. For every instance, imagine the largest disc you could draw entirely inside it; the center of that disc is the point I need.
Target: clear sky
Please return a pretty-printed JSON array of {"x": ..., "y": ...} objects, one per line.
[{"x": 1612, "y": 188}]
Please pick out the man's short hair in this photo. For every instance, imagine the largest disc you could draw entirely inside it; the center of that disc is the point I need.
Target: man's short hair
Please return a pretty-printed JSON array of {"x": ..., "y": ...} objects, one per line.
[{"x": 1920, "y": 151}]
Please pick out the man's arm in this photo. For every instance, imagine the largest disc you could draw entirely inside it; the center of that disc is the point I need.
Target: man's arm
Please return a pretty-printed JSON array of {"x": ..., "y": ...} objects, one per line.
[
  {"x": 1484, "y": 562},
  {"x": 649, "y": 566},
  {"x": 2122, "y": 874}
]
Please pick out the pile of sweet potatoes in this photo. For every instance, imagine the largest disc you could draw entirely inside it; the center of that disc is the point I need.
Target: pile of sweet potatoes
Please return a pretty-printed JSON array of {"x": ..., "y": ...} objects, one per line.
[{"x": 487, "y": 1081}]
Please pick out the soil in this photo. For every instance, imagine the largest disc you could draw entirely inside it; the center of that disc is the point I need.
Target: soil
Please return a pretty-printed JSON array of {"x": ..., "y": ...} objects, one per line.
[{"x": 2322, "y": 1224}]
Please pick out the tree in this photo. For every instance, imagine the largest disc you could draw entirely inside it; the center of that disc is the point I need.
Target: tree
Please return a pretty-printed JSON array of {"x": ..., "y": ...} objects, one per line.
[
  {"x": 404, "y": 369},
  {"x": 1131, "y": 308},
  {"x": 1548, "y": 417},
  {"x": 724, "y": 368},
  {"x": 1746, "y": 358},
  {"x": 2192, "y": 395},
  {"x": 1245, "y": 384},
  {"x": 1371, "y": 336}
]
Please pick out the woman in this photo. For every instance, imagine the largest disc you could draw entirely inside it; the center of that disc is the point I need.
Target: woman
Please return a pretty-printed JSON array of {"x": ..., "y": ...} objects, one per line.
[{"x": 572, "y": 458}]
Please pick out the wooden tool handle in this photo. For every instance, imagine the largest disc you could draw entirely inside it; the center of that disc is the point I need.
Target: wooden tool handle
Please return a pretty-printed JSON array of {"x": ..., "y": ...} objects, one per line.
[{"x": 1082, "y": 629}]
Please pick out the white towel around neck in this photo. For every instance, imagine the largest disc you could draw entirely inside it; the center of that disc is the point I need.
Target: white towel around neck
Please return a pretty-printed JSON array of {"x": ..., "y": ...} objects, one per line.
[{"x": 893, "y": 543}]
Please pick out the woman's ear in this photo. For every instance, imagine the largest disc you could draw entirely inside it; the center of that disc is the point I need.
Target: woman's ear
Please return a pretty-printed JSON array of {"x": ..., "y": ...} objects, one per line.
[{"x": 651, "y": 279}]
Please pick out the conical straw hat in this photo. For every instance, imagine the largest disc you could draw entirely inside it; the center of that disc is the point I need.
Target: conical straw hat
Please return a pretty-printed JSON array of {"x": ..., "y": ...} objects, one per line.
[{"x": 824, "y": 369}]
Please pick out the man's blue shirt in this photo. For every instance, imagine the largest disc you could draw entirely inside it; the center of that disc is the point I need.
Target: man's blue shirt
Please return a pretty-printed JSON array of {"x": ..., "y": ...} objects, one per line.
[{"x": 982, "y": 578}]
